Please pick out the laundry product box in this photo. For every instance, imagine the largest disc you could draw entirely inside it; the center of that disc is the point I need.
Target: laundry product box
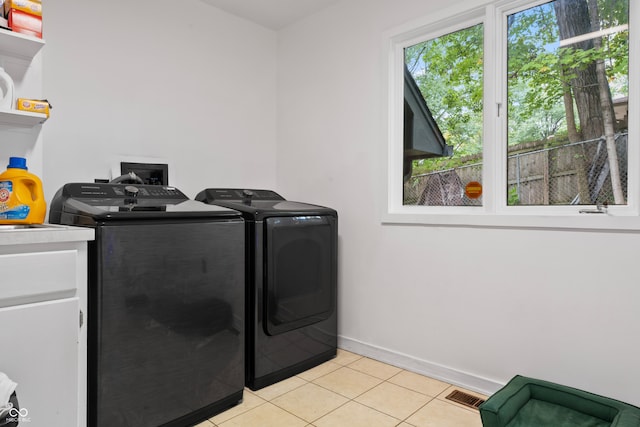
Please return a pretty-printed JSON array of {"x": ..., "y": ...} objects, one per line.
[
  {"x": 34, "y": 105},
  {"x": 33, "y": 7},
  {"x": 25, "y": 23}
]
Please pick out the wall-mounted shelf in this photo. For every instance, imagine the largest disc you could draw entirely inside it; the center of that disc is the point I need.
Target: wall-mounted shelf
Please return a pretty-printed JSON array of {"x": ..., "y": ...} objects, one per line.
[
  {"x": 20, "y": 131},
  {"x": 21, "y": 119},
  {"x": 19, "y": 45}
]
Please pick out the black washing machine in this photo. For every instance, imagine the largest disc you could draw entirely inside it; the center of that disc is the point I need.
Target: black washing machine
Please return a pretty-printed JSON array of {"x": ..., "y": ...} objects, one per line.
[
  {"x": 165, "y": 303},
  {"x": 291, "y": 278}
]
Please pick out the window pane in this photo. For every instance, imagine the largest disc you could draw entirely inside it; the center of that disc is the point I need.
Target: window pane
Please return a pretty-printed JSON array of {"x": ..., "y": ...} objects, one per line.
[
  {"x": 443, "y": 120},
  {"x": 567, "y": 103}
]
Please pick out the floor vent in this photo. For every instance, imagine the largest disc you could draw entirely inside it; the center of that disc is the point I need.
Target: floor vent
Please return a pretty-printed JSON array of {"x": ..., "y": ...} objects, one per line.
[{"x": 465, "y": 399}]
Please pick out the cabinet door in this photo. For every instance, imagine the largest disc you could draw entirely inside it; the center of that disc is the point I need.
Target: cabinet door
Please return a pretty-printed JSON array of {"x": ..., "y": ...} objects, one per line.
[{"x": 39, "y": 351}]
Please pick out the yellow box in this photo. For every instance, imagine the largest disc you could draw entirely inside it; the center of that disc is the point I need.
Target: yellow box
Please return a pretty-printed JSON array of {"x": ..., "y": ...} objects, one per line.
[
  {"x": 34, "y": 105},
  {"x": 32, "y": 7}
]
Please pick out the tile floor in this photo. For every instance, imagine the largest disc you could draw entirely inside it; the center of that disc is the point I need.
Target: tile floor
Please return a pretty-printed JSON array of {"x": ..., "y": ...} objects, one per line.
[{"x": 350, "y": 391}]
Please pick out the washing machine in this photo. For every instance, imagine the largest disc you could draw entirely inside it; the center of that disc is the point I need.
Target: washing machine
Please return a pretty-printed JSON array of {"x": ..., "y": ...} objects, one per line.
[
  {"x": 291, "y": 282},
  {"x": 165, "y": 303}
]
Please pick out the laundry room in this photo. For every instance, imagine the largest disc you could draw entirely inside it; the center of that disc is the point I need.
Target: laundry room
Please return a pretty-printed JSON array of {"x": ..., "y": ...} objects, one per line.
[{"x": 260, "y": 99}]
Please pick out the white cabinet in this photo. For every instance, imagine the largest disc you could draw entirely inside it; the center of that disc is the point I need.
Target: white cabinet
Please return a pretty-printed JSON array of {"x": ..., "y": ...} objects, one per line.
[
  {"x": 42, "y": 335},
  {"x": 39, "y": 346}
]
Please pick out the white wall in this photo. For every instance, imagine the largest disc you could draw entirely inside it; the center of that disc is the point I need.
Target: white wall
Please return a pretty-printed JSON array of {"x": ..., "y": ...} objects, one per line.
[
  {"x": 470, "y": 305},
  {"x": 158, "y": 80}
]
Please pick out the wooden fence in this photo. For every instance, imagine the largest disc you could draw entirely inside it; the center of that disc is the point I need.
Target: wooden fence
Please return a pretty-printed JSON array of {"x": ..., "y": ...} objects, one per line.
[{"x": 568, "y": 174}]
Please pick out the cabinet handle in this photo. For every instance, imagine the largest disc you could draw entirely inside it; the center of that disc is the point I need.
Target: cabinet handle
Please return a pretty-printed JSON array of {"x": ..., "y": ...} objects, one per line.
[{"x": 81, "y": 319}]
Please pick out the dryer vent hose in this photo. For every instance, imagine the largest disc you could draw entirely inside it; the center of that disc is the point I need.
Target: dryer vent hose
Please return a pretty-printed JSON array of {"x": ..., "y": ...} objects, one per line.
[{"x": 130, "y": 178}]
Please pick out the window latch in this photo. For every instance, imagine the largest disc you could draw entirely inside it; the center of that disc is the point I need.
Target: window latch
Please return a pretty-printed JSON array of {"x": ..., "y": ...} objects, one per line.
[{"x": 600, "y": 209}]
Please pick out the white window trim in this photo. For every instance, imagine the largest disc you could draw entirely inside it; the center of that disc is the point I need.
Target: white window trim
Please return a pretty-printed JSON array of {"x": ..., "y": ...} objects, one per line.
[{"x": 495, "y": 212}]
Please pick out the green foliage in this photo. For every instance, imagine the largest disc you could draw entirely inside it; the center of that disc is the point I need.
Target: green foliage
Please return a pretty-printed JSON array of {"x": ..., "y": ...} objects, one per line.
[
  {"x": 540, "y": 71},
  {"x": 449, "y": 73},
  {"x": 513, "y": 198},
  {"x": 424, "y": 166}
]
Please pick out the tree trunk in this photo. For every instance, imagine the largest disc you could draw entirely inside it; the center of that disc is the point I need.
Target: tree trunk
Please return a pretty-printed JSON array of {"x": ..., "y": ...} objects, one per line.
[
  {"x": 567, "y": 97},
  {"x": 573, "y": 20},
  {"x": 574, "y": 136},
  {"x": 590, "y": 86},
  {"x": 607, "y": 111}
]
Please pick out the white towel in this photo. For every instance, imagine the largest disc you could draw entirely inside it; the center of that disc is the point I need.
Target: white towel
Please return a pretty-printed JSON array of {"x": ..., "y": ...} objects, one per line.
[{"x": 7, "y": 387}]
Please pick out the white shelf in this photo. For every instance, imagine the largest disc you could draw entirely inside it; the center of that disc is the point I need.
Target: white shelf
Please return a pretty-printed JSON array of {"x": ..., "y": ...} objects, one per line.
[
  {"x": 19, "y": 45},
  {"x": 21, "y": 119}
]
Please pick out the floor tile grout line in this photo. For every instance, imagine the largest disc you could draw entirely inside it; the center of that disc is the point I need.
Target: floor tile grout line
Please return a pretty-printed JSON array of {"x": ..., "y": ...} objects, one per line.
[
  {"x": 349, "y": 399},
  {"x": 414, "y": 412},
  {"x": 401, "y": 370},
  {"x": 330, "y": 412},
  {"x": 265, "y": 401},
  {"x": 405, "y": 422},
  {"x": 416, "y": 391},
  {"x": 342, "y": 395},
  {"x": 353, "y": 399},
  {"x": 262, "y": 404},
  {"x": 346, "y": 403},
  {"x": 386, "y": 378},
  {"x": 383, "y": 381},
  {"x": 291, "y": 413},
  {"x": 431, "y": 399},
  {"x": 448, "y": 386},
  {"x": 439, "y": 396},
  {"x": 241, "y": 413},
  {"x": 282, "y": 394},
  {"x": 318, "y": 385},
  {"x": 297, "y": 416}
]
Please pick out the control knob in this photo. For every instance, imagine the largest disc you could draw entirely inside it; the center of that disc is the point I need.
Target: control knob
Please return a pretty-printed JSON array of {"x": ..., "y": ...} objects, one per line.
[
  {"x": 247, "y": 195},
  {"x": 131, "y": 191}
]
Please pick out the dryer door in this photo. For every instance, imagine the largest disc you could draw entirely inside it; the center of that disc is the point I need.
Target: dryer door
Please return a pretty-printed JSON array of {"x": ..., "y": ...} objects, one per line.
[{"x": 300, "y": 271}]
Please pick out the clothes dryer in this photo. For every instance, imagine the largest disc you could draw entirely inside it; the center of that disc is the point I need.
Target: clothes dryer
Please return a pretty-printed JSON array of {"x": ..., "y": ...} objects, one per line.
[{"x": 291, "y": 282}]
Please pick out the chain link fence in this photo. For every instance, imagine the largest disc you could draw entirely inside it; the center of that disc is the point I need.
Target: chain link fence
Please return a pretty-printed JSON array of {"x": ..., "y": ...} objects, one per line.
[
  {"x": 443, "y": 188},
  {"x": 570, "y": 174}
]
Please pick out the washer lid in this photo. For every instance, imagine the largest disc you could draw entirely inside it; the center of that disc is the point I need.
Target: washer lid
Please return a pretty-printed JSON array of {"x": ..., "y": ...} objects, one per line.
[
  {"x": 125, "y": 201},
  {"x": 257, "y": 204}
]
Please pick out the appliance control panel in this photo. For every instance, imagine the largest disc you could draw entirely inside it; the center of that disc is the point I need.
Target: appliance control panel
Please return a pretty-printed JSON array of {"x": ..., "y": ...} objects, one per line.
[
  {"x": 123, "y": 191},
  {"x": 241, "y": 194}
]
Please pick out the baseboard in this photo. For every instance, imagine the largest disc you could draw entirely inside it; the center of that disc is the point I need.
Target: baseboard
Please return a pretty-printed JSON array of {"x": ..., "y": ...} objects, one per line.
[{"x": 419, "y": 366}]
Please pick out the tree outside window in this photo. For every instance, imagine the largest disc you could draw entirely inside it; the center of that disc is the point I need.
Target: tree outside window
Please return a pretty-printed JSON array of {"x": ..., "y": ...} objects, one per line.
[
  {"x": 567, "y": 103},
  {"x": 567, "y": 85}
]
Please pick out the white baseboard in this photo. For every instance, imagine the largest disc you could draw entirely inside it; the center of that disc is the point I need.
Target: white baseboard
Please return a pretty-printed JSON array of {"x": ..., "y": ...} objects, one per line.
[{"x": 433, "y": 370}]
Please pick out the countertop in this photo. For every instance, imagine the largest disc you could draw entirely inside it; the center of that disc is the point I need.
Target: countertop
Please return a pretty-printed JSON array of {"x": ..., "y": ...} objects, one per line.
[{"x": 44, "y": 233}]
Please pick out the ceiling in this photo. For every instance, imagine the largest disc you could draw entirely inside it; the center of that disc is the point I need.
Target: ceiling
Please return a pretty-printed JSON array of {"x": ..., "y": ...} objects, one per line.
[{"x": 273, "y": 14}]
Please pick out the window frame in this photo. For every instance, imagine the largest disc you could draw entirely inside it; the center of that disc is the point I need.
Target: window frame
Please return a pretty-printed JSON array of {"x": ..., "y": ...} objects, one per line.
[{"x": 495, "y": 212}]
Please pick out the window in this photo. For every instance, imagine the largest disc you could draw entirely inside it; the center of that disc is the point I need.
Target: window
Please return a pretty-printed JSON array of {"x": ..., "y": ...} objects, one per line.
[
  {"x": 443, "y": 76},
  {"x": 515, "y": 113},
  {"x": 568, "y": 92}
]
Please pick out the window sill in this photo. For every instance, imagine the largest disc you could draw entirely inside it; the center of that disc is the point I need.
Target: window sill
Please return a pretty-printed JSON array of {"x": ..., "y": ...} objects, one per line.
[{"x": 588, "y": 222}]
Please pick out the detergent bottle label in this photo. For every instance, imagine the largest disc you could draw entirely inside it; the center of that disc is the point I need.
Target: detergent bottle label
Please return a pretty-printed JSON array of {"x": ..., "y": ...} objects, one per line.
[{"x": 11, "y": 209}]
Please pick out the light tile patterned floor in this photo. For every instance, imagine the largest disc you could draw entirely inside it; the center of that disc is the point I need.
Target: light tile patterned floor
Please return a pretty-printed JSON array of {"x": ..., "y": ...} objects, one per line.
[{"x": 351, "y": 391}]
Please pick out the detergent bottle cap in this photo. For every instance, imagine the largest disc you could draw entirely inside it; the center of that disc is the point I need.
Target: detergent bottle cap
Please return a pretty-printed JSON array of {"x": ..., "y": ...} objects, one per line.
[{"x": 17, "y": 163}]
